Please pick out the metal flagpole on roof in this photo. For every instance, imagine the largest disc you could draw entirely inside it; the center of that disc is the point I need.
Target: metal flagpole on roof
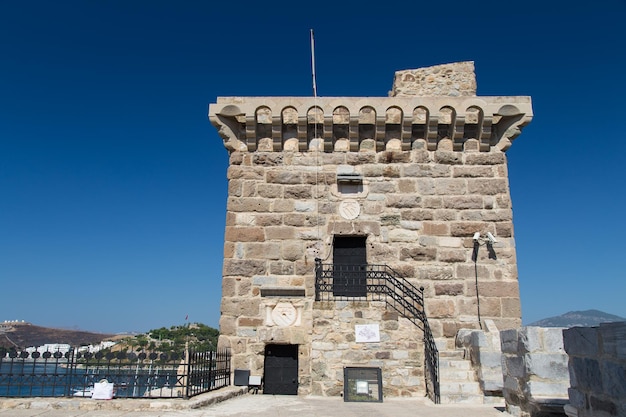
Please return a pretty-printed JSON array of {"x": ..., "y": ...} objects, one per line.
[
  {"x": 313, "y": 64},
  {"x": 317, "y": 197}
]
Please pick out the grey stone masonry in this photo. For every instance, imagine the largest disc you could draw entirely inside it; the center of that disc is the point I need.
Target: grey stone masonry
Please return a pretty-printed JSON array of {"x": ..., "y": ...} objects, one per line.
[
  {"x": 534, "y": 367},
  {"x": 597, "y": 368},
  {"x": 411, "y": 178},
  {"x": 483, "y": 348}
]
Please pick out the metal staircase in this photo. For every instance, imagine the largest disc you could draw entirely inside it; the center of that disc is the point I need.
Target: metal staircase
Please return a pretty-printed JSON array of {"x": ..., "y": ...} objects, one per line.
[{"x": 381, "y": 283}]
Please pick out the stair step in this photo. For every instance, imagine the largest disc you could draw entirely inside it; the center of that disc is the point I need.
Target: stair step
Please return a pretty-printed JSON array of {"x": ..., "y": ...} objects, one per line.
[
  {"x": 460, "y": 399},
  {"x": 454, "y": 375},
  {"x": 460, "y": 354},
  {"x": 458, "y": 388},
  {"x": 455, "y": 364}
]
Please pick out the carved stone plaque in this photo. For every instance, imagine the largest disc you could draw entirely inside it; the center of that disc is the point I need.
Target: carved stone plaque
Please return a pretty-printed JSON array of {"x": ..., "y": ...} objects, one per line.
[
  {"x": 349, "y": 209},
  {"x": 284, "y": 314}
]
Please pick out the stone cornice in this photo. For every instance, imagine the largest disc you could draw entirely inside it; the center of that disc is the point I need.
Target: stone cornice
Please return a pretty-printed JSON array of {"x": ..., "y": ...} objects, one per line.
[{"x": 369, "y": 123}]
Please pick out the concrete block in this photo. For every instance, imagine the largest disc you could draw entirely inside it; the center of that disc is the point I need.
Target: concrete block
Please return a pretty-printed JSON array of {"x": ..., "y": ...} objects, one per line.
[
  {"x": 614, "y": 379},
  {"x": 588, "y": 375},
  {"x": 511, "y": 384},
  {"x": 553, "y": 339},
  {"x": 602, "y": 407},
  {"x": 492, "y": 385},
  {"x": 490, "y": 325},
  {"x": 509, "y": 341},
  {"x": 552, "y": 366},
  {"x": 478, "y": 339},
  {"x": 577, "y": 398},
  {"x": 547, "y": 389},
  {"x": 614, "y": 339},
  {"x": 490, "y": 359},
  {"x": 581, "y": 341},
  {"x": 514, "y": 366},
  {"x": 463, "y": 338},
  {"x": 531, "y": 339}
]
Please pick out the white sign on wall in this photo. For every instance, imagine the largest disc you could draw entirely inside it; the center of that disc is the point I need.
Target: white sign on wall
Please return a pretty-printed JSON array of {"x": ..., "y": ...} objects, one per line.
[{"x": 367, "y": 333}]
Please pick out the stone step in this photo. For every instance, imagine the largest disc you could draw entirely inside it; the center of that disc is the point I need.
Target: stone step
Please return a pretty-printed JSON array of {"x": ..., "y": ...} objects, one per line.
[
  {"x": 456, "y": 364},
  {"x": 460, "y": 354},
  {"x": 496, "y": 401},
  {"x": 455, "y": 375},
  {"x": 467, "y": 388},
  {"x": 460, "y": 399},
  {"x": 460, "y": 393}
]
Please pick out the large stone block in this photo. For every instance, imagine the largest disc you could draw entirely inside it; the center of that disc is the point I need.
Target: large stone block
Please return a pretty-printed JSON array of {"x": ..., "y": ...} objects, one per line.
[
  {"x": 588, "y": 374},
  {"x": 614, "y": 379},
  {"x": 553, "y": 339},
  {"x": 550, "y": 389},
  {"x": 455, "y": 79},
  {"x": 509, "y": 341},
  {"x": 614, "y": 339},
  {"x": 552, "y": 366},
  {"x": 243, "y": 267},
  {"x": 490, "y": 359},
  {"x": 514, "y": 366}
]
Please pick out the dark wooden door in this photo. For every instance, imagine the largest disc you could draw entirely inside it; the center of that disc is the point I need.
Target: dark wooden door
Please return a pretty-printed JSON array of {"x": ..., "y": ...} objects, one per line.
[
  {"x": 281, "y": 370},
  {"x": 349, "y": 266}
]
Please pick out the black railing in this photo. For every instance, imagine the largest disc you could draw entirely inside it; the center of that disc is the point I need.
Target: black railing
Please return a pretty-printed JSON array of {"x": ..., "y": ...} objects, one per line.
[
  {"x": 133, "y": 374},
  {"x": 381, "y": 283}
]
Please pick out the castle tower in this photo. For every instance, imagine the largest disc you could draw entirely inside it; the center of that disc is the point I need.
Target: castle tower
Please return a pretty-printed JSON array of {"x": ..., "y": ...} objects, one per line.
[{"x": 340, "y": 209}]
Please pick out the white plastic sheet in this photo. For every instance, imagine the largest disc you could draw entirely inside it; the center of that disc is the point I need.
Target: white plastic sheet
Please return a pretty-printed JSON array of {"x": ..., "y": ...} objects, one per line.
[{"x": 102, "y": 390}]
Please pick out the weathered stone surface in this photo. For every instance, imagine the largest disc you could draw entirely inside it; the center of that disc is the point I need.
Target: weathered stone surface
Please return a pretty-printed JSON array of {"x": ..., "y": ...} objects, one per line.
[
  {"x": 456, "y": 79},
  {"x": 246, "y": 268},
  {"x": 535, "y": 369},
  {"x": 449, "y": 289},
  {"x": 420, "y": 200},
  {"x": 597, "y": 369}
]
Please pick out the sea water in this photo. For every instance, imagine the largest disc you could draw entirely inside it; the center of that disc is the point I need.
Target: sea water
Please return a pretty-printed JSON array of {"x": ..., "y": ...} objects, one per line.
[{"x": 36, "y": 379}]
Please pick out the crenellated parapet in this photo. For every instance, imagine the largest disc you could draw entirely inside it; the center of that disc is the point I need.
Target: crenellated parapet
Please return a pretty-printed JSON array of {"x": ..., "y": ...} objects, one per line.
[{"x": 342, "y": 124}]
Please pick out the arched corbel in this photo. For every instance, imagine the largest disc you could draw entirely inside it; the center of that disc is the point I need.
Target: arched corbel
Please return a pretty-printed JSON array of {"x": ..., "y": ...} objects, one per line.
[
  {"x": 509, "y": 126},
  {"x": 228, "y": 123}
]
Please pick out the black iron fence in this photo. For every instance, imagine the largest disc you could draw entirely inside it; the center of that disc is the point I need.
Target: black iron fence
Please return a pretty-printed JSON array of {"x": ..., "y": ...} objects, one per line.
[
  {"x": 334, "y": 282},
  {"x": 133, "y": 374}
]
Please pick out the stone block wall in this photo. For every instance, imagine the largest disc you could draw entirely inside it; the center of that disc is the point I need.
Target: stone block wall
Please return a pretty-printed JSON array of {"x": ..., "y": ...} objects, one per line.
[
  {"x": 399, "y": 353},
  {"x": 597, "y": 368},
  {"x": 419, "y": 210},
  {"x": 455, "y": 79},
  {"x": 535, "y": 372},
  {"x": 483, "y": 349},
  {"x": 414, "y": 176}
]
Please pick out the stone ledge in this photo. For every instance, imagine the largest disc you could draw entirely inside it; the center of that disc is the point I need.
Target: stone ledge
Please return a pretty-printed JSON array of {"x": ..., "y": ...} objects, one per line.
[{"x": 123, "y": 404}]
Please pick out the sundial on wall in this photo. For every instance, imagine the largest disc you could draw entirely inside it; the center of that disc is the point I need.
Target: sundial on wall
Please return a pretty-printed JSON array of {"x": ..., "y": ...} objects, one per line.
[{"x": 284, "y": 314}]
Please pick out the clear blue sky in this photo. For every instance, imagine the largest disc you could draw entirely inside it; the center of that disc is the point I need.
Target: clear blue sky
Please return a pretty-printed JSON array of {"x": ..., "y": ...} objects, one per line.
[{"x": 113, "y": 182}]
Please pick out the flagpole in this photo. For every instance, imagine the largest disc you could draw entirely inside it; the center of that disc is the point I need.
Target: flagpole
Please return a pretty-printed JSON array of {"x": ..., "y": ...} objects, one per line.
[{"x": 313, "y": 64}]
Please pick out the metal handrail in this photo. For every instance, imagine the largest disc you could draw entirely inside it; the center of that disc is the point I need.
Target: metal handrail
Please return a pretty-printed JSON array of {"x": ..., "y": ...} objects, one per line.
[{"x": 381, "y": 283}]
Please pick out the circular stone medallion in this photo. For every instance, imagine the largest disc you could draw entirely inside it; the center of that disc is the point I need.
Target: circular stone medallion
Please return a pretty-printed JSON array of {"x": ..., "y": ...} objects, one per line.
[
  {"x": 284, "y": 314},
  {"x": 349, "y": 209}
]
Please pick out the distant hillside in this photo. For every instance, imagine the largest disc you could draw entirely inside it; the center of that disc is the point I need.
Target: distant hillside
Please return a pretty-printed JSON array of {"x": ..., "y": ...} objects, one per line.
[
  {"x": 22, "y": 335},
  {"x": 587, "y": 318}
]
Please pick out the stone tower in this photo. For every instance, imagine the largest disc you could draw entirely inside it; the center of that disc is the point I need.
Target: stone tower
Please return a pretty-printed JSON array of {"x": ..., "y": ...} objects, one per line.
[{"x": 326, "y": 192}]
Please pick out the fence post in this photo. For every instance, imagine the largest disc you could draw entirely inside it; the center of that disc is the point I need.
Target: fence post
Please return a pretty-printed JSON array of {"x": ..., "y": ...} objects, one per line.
[{"x": 188, "y": 371}]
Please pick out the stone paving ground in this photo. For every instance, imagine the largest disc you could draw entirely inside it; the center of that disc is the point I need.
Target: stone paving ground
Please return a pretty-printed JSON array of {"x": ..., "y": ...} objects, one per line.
[{"x": 229, "y": 403}]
